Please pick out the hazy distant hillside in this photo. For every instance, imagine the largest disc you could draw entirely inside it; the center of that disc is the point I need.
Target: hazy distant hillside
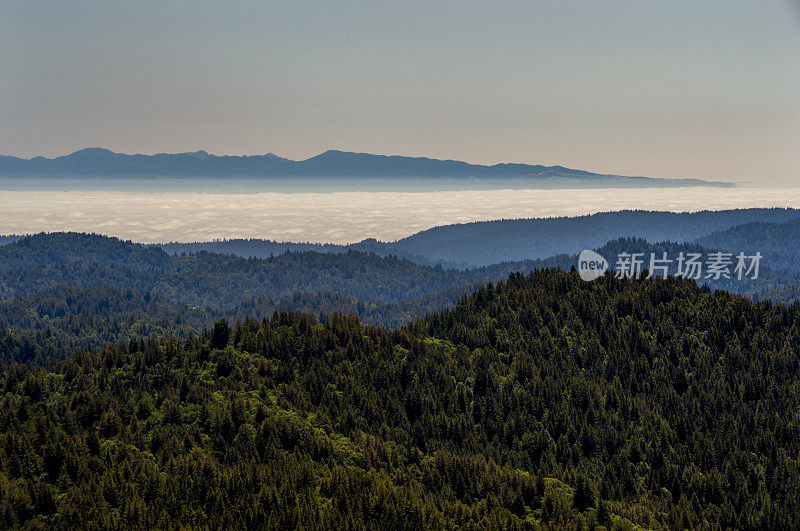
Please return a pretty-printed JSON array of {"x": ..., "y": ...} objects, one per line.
[
  {"x": 104, "y": 163},
  {"x": 774, "y": 282},
  {"x": 483, "y": 243},
  {"x": 779, "y": 243},
  {"x": 46, "y": 261},
  {"x": 9, "y": 239}
]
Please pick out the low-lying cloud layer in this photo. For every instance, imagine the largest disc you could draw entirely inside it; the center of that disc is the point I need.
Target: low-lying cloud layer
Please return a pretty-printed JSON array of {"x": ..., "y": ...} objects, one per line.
[{"x": 338, "y": 217}]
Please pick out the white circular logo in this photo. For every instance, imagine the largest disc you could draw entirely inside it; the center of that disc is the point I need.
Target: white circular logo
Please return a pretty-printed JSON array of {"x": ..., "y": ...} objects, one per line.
[{"x": 591, "y": 265}]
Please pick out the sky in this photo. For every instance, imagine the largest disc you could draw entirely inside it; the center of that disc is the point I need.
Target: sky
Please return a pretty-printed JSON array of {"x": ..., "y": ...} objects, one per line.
[{"x": 689, "y": 89}]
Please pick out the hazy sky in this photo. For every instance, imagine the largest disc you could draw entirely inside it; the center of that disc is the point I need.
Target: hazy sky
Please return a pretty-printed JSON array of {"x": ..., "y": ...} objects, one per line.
[{"x": 672, "y": 88}]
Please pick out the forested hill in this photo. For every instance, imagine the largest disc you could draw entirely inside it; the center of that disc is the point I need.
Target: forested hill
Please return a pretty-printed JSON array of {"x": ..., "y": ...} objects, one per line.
[{"x": 540, "y": 400}]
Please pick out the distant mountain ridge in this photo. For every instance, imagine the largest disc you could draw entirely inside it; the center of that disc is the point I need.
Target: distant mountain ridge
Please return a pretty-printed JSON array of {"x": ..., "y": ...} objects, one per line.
[{"x": 99, "y": 162}]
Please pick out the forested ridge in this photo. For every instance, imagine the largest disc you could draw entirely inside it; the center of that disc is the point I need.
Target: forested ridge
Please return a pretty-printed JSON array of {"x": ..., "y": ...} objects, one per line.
[
  {"x": 539, "y": 401},
  {"x": 80, "y": 260},
  {"x": 259, "y": 248},
  {"x": 45, "y": 261},
  {"x": 778, "y": 242}
]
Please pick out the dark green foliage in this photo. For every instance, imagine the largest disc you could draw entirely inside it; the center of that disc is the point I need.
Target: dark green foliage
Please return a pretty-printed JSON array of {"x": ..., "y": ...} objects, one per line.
[
  {"x": 543, "y": 400},
  {"x": 45, "y": 327},
  {"x": 221, "y": 334},
  {"x": 584, "y": 497}
]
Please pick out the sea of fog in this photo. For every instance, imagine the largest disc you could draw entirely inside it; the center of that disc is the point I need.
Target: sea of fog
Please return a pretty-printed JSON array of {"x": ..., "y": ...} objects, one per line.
[{"x": 186, "y": 214}]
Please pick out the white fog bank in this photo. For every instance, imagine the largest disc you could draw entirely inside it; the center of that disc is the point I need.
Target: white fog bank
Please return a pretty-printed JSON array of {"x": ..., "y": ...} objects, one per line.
[{"x": 338, "y": 217}]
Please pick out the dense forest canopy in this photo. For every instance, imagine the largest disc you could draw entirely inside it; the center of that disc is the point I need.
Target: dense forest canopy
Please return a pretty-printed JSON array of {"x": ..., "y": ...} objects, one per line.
[
  {"x": 64, "y": 292},
  {"x": 542, "y": 400}
]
